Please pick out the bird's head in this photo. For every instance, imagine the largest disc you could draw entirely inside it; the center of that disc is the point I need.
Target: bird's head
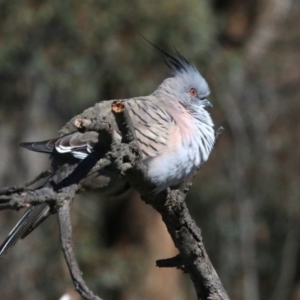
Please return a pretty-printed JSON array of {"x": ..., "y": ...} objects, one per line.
[{"x": 185, "y": 82}]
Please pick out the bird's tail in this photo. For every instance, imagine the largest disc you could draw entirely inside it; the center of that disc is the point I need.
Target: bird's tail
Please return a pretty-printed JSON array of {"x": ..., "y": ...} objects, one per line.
[
  {"x": 30, "y": 220},
  {"x": 43, "y": 146},
  {"x": 33, "y": 216}
]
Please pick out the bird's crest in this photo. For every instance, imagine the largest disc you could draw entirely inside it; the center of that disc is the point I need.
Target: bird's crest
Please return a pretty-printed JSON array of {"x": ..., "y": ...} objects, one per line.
[{"x": 177, "y": 64}]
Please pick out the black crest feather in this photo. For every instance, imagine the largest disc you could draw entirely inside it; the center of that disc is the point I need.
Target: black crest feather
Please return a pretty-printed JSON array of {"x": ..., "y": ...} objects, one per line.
[{"x": 176, "y": 64}]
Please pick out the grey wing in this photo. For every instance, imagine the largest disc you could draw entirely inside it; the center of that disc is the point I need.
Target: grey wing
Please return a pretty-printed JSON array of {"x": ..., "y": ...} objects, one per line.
[
  {"x": 77, "y": 144},
  {"x": 152, "y": 126},
  {"x": 81, "y": 144},
  {"x": 151, "y": 122}
]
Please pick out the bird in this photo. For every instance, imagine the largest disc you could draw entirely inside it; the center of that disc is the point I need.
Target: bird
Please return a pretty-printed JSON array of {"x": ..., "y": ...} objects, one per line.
[{"x": 173, "y": 128}]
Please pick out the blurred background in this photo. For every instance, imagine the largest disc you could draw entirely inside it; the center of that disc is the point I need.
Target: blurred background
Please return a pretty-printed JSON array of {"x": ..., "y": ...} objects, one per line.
[{"x": 60, "y": 57}]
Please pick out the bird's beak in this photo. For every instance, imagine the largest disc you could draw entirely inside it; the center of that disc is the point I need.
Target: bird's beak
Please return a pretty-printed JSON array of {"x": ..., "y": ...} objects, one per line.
[{"x": 206, "y": 103}]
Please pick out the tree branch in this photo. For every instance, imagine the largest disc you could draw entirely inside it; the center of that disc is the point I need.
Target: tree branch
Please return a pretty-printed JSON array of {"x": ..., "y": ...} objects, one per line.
[
  {"x": 125, "y": 158},
  {"x": 172, "y": 207},
  {"x": 67, "y": 245}
]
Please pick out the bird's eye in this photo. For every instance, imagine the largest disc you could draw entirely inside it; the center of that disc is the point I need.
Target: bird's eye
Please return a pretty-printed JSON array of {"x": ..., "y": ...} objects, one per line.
[{"x": 193, "y": 92}]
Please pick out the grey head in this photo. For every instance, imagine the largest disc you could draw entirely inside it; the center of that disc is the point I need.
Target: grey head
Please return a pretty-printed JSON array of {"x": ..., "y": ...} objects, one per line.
[{"x": 185, "y": 83}]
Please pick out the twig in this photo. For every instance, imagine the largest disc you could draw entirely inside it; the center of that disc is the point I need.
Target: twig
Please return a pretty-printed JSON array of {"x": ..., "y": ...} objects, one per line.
[
  {"x": 38, "y": 178},
  {"x": 25, "y": 198},
  {"x": 20, "y": 197},
  {"x": 172, "y": 262},
  {"x": 11, "y": 190},
  {"x": 19, "y": 189},
  {"x": 102, "y": 128},
  {"x": 124, "y": 121},
  {"x": 68, "y": 250}
]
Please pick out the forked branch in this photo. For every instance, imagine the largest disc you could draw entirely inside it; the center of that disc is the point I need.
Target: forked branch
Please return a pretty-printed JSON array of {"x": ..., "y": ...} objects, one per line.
[{"x": 125, "y": 158}]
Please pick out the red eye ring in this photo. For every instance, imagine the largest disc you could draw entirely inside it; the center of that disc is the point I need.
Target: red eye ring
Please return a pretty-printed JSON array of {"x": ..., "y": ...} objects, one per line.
[{"x": 193, "y": 92}]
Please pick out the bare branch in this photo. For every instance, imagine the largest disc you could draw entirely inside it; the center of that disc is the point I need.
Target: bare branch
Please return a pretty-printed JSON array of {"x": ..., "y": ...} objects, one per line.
[
  {"x": 182, "y": 228},
  {"x": 68, "y": 250},
  {"x": 42, "y": 175},
  {"x": 24, "y": 198},
  {"x": 125, "y": 158},
  {"x": 124, "y": 121}
]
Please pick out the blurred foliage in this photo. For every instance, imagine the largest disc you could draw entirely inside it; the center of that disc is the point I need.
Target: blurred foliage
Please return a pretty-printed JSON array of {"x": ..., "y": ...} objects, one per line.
[
  {"x": 78, "y": 48},
  {"x": 60, "y": 57}
]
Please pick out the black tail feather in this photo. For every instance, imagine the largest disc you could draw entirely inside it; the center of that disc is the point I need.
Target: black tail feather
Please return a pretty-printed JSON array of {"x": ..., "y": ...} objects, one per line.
[
  {"x": 31, "y": 219},
  {"x": 43, "y": 146}
]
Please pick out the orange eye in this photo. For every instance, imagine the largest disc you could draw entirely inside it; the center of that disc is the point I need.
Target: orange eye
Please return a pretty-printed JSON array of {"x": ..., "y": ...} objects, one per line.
[{"x": 193, "y": 92}]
